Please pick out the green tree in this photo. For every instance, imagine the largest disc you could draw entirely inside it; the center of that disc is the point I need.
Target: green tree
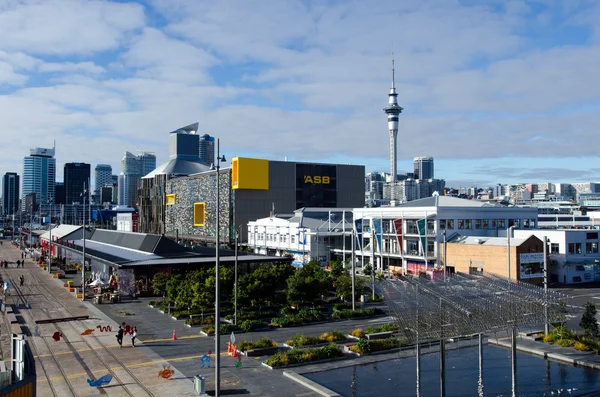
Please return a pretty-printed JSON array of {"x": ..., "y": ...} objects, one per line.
[
  {"x": 588, "y": 320},
  {"x": 307, "y": 284},
  {"x": 343, "y": 286},
  {"x": 159, "y": 282},
  {"x": 337, "y": 268},
  {"x": 367, "y": 269},
  {"x": 262, "y": 286},
  {"x": 187, "y": 289},
  {"x": 172, "y": 286},
  {"x": 205, "y": 288}
]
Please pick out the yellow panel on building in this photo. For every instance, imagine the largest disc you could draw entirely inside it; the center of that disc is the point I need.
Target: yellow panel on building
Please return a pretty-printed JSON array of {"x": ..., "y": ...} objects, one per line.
[
  {"x": 170, "y": 199},
  {"x": 199, "y": 214},
  {"x": 247, "y": 173}
]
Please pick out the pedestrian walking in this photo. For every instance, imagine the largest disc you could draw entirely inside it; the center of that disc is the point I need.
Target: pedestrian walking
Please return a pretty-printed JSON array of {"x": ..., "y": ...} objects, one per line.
[
  {"x": 120, "y": 336},
  {"x": 133, "y": 336},
  {"x": 21, "y": 280}
]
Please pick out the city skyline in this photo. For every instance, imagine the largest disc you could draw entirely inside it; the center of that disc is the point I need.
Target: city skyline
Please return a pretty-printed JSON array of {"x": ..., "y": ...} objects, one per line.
[{"x": 493, "y": 91}]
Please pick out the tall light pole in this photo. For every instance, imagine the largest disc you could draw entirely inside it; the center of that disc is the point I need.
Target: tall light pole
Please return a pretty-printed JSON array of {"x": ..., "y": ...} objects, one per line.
[
  {"x": 235, "y": 285},
  {"x": 50, "y": 238},
  {"x": 218, "y": 160},
  {"x": 508, "y": 235},
  {"x": 83, "y": 194}
]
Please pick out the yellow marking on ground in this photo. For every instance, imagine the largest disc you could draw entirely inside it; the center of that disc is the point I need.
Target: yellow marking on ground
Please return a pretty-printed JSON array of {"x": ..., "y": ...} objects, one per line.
[
  {"x": 143, "y": 364},
  {"x": 139, "y": 343}
]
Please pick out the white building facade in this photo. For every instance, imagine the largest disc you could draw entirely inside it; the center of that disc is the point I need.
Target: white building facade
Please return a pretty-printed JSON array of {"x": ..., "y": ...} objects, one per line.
[{"x": 573, "y": 255}]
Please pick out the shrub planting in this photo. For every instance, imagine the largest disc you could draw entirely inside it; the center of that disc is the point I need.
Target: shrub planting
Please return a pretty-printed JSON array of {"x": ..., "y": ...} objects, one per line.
[
  {"x": 346, "y": 313},
  {"x": 252, "y": 325},
  {"x": 200, "y": 321},
  {"x": 303, "y": 340},
  {"x": 297, "y": 356},
  {"x": 301, "y": 317},
  {"x": 259, "y": 344},
  {"x": 365, "y": 346},
  {"x": 225, "y": 329}
]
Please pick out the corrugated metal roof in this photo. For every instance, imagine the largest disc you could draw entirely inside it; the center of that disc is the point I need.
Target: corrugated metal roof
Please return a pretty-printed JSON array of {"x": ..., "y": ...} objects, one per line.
[
  {"x": 60, "y": 231},
  {"x": 198, "y": 260}
]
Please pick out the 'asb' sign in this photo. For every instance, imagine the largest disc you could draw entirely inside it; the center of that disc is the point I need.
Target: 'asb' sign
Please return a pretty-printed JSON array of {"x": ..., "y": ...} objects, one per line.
[{"x": 317, "y": 180}]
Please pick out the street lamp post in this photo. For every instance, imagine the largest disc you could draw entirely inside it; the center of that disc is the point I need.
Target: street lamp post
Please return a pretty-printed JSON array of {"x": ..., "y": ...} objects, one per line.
[
  {"x": 235, "y": 284},
  {"x": 218, "y": 160},
  {"x": 83, "y": 194},
  {"x": 508, "y": 235}
]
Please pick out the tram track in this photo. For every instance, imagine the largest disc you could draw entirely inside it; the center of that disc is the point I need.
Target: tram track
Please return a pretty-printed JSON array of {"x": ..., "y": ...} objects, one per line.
[{"x": 94, "y": 350}]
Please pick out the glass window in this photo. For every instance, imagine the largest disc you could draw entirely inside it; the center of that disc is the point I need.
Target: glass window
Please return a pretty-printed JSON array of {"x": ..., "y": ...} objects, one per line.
[
  {"x": 468, "y": 223},
  {"x": 578, "y": 248},
  {"x": 571, "y": 248},
  {"x": 501, "y": 224},
  {"x": 517, "y": 223},
  {"x": 554, "y": 248},
  {"x": 591, "y": 248},
  {"x": 450, "y": 223},
  {"x": 293, "y": 239},
  {"x": 477, "y": 223},
  {"x": 525, "y": 223},
  {"x": 485, "y": 223},
  {"x": 494, "y": 223},
  {"x": 461, "y": 223},
  {"x": 592, "y": 236},
  {"x": 442, "y": 224}
]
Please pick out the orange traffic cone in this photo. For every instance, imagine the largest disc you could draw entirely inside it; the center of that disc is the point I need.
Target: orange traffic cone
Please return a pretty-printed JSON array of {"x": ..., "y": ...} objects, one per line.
[
  {"x": 174, "y": 334},
  {"x": 228, "y": 347},
  {"x": 234, "y": 351}
]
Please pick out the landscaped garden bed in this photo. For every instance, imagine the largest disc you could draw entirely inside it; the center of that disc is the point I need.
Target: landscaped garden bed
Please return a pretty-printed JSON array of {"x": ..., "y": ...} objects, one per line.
[
  {"x": 365, "y": 346},
  {"x": 261, "y": 347},
  {"x": 304, "y": 316},
  {"x": 198, "y": 321},
  {"x": 304, "y": 356},
  {"x": 359, "y": 313},
  {"x": 359, "y": 333},
  {"x": 225, "y": 329},
  {"x": 326, "y": 338}
]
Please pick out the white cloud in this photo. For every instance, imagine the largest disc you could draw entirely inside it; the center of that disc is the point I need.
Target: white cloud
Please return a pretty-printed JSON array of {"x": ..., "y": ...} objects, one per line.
[
  {"x": 62, "y": 27},
  {"x": 307, "y": 80},
  {"x": 71, "y": 67}
]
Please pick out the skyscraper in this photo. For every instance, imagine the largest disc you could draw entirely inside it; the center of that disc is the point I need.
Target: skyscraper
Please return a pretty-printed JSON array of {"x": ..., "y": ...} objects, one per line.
[
  {"x": 77, "y": 178},
  {"x": 60, "y": 195},
  {"x": 133, "y": 168},
  {"x": 10, "y": 192},
  {"x": 102, "y": 177},
  {"x": 207, "y": 149},
  {"x": 423, "y": 168},
  {"x": 393, "y": 110},
  {"x": 39, "y": 175}
]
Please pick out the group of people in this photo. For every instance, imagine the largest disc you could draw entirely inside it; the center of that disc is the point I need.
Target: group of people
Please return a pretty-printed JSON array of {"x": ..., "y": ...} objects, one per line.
[
  {"x": 4, "y": 264},
  {"x": 121, "y": 332}
]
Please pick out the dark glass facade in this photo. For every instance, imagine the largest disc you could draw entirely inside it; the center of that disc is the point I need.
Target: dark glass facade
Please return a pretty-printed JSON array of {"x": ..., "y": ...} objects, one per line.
[
  {"x": 76, "y": 175},
  {"x": 316, "y": 185}
]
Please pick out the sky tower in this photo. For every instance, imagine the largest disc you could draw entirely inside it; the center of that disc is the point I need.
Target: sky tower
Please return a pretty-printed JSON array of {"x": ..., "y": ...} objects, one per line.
[{"x": 393, "y": 110}]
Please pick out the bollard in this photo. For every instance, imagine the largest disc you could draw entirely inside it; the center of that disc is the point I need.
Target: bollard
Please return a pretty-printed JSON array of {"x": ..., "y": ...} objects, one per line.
[{"x": 200, "y": 384}]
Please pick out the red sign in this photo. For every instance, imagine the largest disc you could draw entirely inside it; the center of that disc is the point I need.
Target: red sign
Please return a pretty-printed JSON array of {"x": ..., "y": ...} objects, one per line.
[{"x": 398, "y": 226}]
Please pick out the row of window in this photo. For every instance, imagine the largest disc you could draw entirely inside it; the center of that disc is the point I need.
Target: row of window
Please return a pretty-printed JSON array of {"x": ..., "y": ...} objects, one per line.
[
  {"x": 467, "y": 224},
  {"x": 577, "y": 248},
  {"x": 272, "y": 237}
]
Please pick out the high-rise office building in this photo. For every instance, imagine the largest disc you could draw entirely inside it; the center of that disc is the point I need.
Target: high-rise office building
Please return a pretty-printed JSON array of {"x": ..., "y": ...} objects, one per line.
[
  {"x": 10, "y": 192},
  {"x": 133, "y": 168},
  {"x": 39, "y": 175},
  {"x": 423, "y": 168},
  {"x": 77, "y": 179},
  {"x": 102, "y": 176},
  {"x": 60, "y": 195},
  {"x": 207, "y": 149}
]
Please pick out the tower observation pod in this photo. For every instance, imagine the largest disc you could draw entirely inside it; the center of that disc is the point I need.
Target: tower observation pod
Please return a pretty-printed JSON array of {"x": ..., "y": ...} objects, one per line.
[{"x": 393, "y": 110}]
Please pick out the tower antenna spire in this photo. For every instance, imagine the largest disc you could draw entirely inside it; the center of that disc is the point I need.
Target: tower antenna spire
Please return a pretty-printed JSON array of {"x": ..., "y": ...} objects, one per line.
[{"x": 393, "y": 72}]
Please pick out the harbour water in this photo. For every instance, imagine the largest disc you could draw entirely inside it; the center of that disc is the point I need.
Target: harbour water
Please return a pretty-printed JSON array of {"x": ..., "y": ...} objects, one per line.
[{"x": 535, "y": 376}]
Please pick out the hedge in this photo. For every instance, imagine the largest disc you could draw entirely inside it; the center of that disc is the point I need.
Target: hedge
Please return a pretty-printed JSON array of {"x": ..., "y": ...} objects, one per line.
[
  {"x": 225, "y": 329},
  {"x": 200, "y": 320},
  {"x": 301, "y": 317},
  {"x": 365, "y": 346},
  {"x": 252, "y": 325},
  {"x": 302, "y": 340}
]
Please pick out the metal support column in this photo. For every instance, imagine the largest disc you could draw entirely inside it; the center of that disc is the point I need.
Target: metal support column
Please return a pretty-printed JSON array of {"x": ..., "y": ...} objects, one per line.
[
  {"x": 442, "y": 354},
  {"x": 513, "y": 358},
  {"x": 480, "y": 381},
  {"x": 546, "y": 325}
]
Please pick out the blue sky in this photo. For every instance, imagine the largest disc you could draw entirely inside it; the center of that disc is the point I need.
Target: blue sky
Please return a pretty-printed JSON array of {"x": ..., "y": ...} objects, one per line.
[{"x": 496, "y": 91}]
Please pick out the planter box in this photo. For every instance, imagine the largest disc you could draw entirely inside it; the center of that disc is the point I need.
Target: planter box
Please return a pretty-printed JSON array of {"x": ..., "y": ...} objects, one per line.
[
  {"x": 393, "y": 350},
  {"x": 312, "y": 346},
  {"x": 263, "y": 351},
  {"x": 345, "y": 357},
  {"x": 379, "y": 335}
]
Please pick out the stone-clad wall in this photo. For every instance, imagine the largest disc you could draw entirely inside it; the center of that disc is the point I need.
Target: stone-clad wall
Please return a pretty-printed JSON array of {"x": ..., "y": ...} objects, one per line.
[{"x": 200, "y": 188}]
